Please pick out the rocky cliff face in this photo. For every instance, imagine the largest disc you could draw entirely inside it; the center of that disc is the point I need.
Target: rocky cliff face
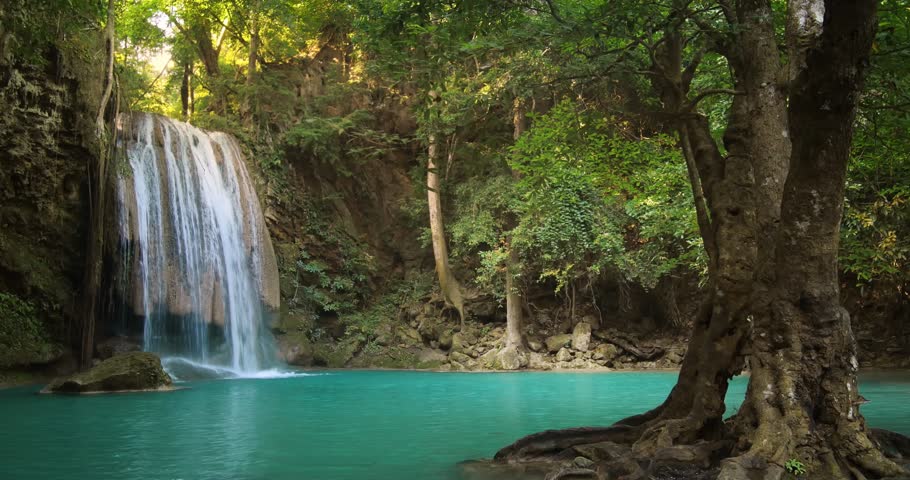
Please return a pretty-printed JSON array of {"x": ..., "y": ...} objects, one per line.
[{"x": 46, "y": 144}]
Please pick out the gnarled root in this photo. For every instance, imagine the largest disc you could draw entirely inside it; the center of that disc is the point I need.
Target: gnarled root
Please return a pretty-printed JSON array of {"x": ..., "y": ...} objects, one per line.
[
  {"x": 550, "y": 444},
  {"x": 843, "y": 451}
]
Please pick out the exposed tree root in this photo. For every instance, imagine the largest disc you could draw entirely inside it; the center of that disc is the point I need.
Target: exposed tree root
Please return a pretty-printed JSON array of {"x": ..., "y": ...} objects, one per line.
[
  {"x": 614, "y": 454},
  {"x": 550, "y": 444}
]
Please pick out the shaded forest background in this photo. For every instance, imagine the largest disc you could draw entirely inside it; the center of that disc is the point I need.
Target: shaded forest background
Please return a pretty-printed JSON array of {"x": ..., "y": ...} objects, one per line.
[{"x": 537, "y": 132}]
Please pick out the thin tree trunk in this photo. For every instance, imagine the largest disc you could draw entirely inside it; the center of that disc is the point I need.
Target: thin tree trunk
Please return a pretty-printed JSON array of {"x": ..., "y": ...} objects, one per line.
[
  {"x": 251, "y": 63},
  {"x": 514, "y": 354},
  {"x": 449, "y": 286},
  {"x": 98, "y": 181},
  {"x": 201, "y": 36},
  {"x": 802, "y": 401},
  {"x": 185, "y": 92}
]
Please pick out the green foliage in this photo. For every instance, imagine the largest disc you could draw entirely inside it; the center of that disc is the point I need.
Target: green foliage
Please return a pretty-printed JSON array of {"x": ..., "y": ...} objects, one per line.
[
  {"x": 33, "y": 26},
  {"x": 875, "y": 235},
  {"x": 364, "y": 324},
  {"x": 795, "y": 467},
  {"x": 319, "y": 287},
  {"x": 23, "y": 338},
  {"x": 591, "y": 198},
  {"x": 483, "y": 204},
  {"x": 595, "y": 197},
  {"x": 332, "y": 140},
  {"x": 874, "y": 238}
]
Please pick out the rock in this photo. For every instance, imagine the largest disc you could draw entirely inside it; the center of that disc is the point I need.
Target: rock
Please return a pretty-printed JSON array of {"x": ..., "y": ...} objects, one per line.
[
  {"x": 539, "y": 361},
  {"x": 581, "y": 337},
  {"x": 512, "y": 358},
  {"x": 564, "y": 355},
  {"x": 133, "y": 371},
  {"x": 295, "y": 349},
  {"x": 534, "y": 345},
  {"x": 115, "y": 346},
  {"x": 459, "y": 357},
  {"x": 384, "y": 335},
  {"x": 411, "y": 334},
  {"x": 335, "y": 355},
  {"x": 583, "y": 462},
  {"x": 461, "y": 341},
  {"x": 606, "y": 351},
  {"x": 445, "y": 340},
  {"x": 489, "y": 360},
  {"x": 592, "y": 320},
  {"x": 428, "y": 355},
  {"x": 457, "y": 367},
  {"x": 556, "y": 342},
  {"x": 674, "y": 358}
]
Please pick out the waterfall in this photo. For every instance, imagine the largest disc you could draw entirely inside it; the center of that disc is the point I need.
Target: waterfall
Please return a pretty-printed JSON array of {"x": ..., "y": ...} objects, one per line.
[{"x": 202, "y": 273}]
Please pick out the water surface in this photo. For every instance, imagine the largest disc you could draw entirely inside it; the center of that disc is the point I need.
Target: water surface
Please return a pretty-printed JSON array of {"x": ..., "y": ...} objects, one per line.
[{"x": 340, "y": 425}]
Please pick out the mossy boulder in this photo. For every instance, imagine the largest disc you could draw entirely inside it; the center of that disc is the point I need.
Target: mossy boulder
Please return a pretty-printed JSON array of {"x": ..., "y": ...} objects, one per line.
[
  {"x": 133, "y": 371},
  {"x": 556, "y": 342},
  {"x": 336, "y": 355},
  {"x": 295, "y": 348}
]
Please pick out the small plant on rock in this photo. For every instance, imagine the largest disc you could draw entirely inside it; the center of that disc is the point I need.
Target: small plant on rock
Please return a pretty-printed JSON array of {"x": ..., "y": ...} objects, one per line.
[{"x": 795, "y": 467}]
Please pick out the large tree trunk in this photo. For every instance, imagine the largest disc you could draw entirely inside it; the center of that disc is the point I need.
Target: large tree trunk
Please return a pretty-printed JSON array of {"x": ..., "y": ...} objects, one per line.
[
  {"x": 737, "y": 200},
  {"x": 514, "y": 355},
  {"x": 802, "y": 401},
  {"x": 448, "y": 284},
  {"x": 742, "y": 193}
]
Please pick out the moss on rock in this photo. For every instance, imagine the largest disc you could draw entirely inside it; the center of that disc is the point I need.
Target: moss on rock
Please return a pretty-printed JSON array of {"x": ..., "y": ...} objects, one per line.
[
  {"x": 133, "y": 371},
  {"x": 23, "y": 337}
]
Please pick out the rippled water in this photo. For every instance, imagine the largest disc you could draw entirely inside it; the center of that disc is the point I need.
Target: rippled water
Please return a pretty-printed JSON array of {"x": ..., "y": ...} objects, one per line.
[{"x": 333, "y": 426}]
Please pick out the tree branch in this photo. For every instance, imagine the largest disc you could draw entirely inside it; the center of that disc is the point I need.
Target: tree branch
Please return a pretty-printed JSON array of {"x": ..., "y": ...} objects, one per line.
[{"x": 707, "y": 93}]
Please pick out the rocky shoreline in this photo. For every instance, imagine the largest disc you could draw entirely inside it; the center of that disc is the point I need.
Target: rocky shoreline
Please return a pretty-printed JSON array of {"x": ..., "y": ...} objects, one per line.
[{"x": 435, "y": 345}]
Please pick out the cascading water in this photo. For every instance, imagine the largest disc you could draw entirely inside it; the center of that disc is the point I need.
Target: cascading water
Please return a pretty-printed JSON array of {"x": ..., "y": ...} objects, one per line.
[{"x": 201, "y": 269}]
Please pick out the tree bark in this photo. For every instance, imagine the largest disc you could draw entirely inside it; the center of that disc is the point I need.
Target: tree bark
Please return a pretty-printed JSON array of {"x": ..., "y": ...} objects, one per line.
[
  {"x": 448, "y": 284},
  {"x": 185, "y": 92},
  {"x": 99, "y": 174},
  {"x": 514, "y": 354},
  {"x": 802, "y": 401},
  {"x": 200, "y": 34},
  {"x": 251, "y": 63},
  {"x": 742, "y": 193}
]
